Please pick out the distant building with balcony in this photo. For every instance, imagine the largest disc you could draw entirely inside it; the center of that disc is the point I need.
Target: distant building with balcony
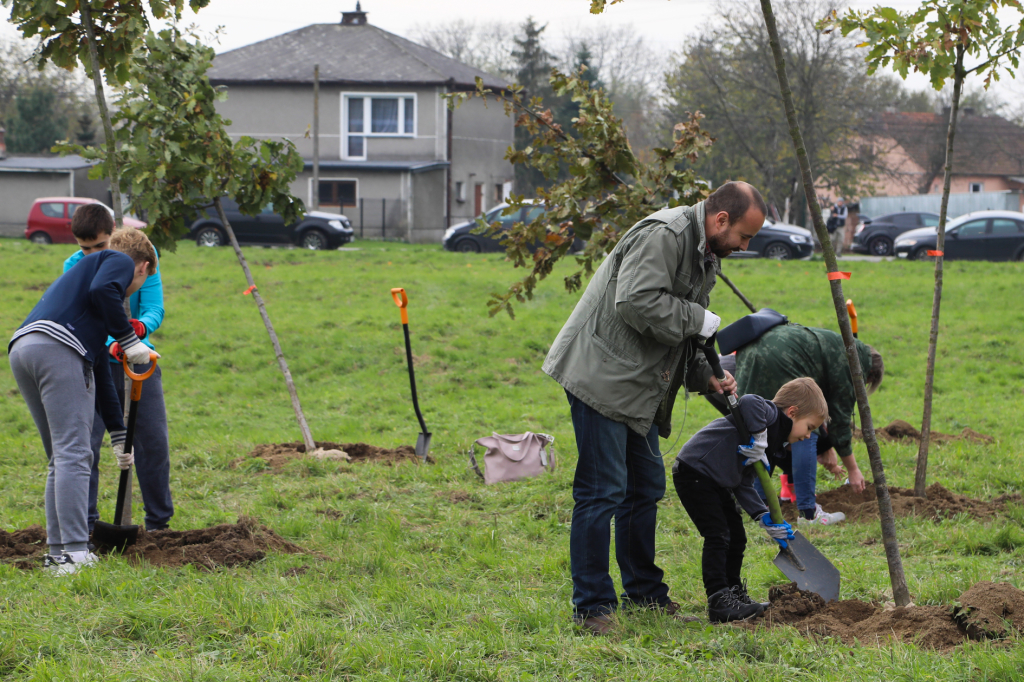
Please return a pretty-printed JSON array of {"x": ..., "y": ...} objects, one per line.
[{"x": 393, "y": 157}]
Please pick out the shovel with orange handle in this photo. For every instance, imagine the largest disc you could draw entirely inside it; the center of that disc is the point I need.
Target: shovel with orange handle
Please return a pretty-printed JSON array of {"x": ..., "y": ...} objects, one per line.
[
  {"x": 423, "y": 440},
  {"x": 115, "y": 535}
]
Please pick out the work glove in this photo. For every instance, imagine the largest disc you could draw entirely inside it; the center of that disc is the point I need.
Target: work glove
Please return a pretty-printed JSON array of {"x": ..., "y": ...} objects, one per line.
[
  {"x": 711, "y": 324},
  {"x": 115, "y": 351},
  {"x": 780, "y": 532},
  {"x": 124, "y": 459},
  {"x": 139, "y": 354},
  {"x": 754, "y": 450},
  {"x": 139, "y": 327}
]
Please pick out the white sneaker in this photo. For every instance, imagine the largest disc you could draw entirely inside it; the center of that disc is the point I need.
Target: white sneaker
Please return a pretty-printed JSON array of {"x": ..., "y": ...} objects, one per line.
[
  {"x": 72, "y": 562},
  {"x": 821, "y": 518},
  {"x": 52, "y": 563}
]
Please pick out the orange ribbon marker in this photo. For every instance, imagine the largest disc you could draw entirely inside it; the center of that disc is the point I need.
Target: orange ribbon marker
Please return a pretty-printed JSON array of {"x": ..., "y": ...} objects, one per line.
[
  {"x": 832, "y": 276},
  {"x": 937, "y": 254},
  {"x": 249, "y": 290}
]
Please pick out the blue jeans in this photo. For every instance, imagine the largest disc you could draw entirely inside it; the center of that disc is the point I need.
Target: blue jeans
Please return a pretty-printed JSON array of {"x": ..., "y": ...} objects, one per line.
[
  {"x": 619, "y": 474},
  {"x": 804, "y": 473}
]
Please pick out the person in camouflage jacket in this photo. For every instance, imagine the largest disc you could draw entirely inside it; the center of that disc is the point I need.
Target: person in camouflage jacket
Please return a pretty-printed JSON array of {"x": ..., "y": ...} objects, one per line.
[{"x": 790, "y": 351}]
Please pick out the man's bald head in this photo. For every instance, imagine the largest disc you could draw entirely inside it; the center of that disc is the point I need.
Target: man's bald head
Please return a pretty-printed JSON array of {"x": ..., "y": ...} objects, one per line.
[{"x": 733, "y": 215}]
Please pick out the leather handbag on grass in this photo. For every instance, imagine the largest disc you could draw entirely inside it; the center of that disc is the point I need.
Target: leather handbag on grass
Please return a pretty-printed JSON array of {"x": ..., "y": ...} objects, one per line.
[{"x": 515, "y": 456}]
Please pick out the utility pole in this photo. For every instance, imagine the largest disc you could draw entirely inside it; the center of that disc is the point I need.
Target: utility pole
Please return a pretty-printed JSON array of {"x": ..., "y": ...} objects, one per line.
[{"x": 316, "y": 137}]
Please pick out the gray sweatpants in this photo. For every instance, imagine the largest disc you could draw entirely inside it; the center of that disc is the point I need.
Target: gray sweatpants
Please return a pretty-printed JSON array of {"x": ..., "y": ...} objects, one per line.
[{"x": 60, "y": 391}]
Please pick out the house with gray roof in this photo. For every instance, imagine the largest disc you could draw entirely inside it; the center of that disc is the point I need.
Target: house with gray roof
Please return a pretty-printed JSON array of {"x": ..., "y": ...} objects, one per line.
[{"x": 392, "y": 157}]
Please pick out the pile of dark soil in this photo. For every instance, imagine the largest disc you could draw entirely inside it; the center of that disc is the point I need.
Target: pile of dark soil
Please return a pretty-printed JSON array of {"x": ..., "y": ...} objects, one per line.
[
  {"x": 940, "y": 503},
  {"x": 900, "y": 430},
  {"x": 23, "y": 548},
  {"x": 931, "y": 627},
  {"x": 279, "y": 454},
  {"x": 226, "y": 545}
]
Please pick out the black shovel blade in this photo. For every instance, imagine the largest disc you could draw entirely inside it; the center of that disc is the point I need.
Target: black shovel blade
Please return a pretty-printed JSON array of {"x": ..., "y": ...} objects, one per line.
[
  {"x": 809, "y": 568},
  {"x": 114, "y": 538},
  {"x": 423, "y": 445}
]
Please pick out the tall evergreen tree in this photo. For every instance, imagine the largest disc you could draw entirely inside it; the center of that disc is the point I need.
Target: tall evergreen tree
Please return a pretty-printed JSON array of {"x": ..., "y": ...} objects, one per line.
[
  {"x": 35, "y": 124},
  {"x": 86, "y": 129}
]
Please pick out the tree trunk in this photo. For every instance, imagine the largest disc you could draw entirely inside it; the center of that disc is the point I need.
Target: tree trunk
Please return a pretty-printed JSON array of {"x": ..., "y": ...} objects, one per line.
[
  {"x": 921, "y": 473},
  {"x": 307, "y": 437},
  {"x": 101, "y": 103},
  {"x": 892, "y": 551}
]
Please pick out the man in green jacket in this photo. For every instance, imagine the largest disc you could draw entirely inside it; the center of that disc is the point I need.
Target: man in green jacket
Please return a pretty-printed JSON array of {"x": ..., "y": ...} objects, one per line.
[
  {"x": 628, "y": 347},
  {"x": 790, "y": 351}
]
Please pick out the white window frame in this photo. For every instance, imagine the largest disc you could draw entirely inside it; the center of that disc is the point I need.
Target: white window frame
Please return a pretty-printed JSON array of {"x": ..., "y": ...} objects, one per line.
[
  {"x": 980, "y": 187},
  {"x": 368, "y": 98},
  {"x": 325, "y": 179}
]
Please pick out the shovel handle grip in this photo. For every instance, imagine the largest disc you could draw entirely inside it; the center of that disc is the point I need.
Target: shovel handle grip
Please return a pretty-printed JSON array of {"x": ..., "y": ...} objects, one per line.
[
  {"x": 402, "y": 301},
  {"x": 153, "y": 357}
]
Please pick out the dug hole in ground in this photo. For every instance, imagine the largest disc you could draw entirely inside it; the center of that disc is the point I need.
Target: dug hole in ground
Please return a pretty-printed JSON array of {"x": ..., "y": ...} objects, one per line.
[{"x": 228, "y": 545}]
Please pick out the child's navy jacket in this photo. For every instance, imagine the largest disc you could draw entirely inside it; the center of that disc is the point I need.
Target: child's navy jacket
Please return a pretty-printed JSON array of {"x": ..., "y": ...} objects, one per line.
[
  {"x": 80, "y": 309},
  {"x": 712, "y": 451}
]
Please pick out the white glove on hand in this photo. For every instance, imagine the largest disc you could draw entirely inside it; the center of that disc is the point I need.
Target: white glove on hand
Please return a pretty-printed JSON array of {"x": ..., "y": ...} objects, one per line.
[
  {"x": 139, "y": 354},
  {"x": 711, "y": 324},
  {"x": 124, "y": 460},
  {"x": 754, "y": 450}
]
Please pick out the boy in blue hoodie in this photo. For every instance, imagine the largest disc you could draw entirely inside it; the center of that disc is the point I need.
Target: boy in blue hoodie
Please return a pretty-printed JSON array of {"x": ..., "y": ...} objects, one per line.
[
  {"x": 151, "y": 443},
  {"x": 58, "y": 358},
  {"x": 714, "y": 466}
]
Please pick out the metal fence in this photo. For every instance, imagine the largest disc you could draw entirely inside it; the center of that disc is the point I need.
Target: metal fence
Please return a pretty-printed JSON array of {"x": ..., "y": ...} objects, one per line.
[
  {"x": 959, "y": 204},
  {"x": 379, "y": 218}
]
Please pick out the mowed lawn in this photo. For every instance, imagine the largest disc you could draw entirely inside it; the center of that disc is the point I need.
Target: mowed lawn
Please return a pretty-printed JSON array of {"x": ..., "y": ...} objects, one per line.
[{"x": 421, "y": 572}]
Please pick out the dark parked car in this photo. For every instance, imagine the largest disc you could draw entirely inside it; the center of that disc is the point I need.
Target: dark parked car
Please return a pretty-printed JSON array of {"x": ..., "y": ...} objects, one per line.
[
  {"x": 982, "y": 235},
  {"x": 780, "y": 241},
  {"x": 317, "y": 230},
  {"x": 461, "y": 238},
  {"x": 877, "y": 236}
]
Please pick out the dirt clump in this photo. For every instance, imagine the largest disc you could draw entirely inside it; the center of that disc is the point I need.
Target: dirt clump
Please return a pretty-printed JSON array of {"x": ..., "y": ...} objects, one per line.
[
  {"x": 940, "y": 503},
  {"x": 23, "y": 548},
  {"x": 852, "y": 620},
  {"x": 277, "y": 455},
  {"x": 899, "y": 430},
  {"x": 987, "y": 609},
  {"x": 228, "y": 545}
]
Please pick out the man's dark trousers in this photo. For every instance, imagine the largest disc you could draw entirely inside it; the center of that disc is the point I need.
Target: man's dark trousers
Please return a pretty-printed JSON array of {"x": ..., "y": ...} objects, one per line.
[
  {"x": 619, "y": 474},
  {"x": 152, "y": 452},
  {"x": 713, "y": 512}
]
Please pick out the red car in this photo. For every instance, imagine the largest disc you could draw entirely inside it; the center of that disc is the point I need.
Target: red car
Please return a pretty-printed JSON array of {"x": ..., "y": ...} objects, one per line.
[{"x": 49, "y": 221}]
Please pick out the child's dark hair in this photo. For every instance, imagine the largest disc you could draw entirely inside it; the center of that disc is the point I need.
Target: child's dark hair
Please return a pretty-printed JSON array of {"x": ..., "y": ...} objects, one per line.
[
  {"x": 805, "y": 396},
  {"x": 90, "y": 221}
]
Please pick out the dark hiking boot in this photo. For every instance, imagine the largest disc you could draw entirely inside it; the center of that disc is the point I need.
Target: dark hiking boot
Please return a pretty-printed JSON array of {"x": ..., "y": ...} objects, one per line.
[
  {"x": 741, "y": 595},
  {"x": 601, "y": 624},
  {"x": 724, "y": 607}
]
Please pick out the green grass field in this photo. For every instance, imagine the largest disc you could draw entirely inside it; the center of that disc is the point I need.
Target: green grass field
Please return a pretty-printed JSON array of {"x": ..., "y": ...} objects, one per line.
[{"x": 427, "y": 574}]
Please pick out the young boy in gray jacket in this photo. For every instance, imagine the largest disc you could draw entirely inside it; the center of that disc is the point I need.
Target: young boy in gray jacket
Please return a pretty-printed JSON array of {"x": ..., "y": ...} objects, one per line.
[{"x": 714, "y": 466}]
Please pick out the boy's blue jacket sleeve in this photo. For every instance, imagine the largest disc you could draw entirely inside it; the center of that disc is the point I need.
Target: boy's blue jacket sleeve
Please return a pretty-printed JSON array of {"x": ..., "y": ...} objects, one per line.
[{"x": 147, "y": 303}]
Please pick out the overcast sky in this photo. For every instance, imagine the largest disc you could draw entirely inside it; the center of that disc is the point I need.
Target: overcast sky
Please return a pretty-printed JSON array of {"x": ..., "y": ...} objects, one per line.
[{"x": 664, "y": 24}]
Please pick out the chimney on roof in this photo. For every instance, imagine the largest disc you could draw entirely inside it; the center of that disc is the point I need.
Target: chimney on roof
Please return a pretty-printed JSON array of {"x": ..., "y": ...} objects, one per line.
[
  {"x": 3, "y": 144},
  {"x": 357, "y": 18}
]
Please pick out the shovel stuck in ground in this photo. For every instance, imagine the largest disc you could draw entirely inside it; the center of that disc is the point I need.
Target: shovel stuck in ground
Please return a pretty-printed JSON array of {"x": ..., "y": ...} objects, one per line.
[
  {"x": 118, "y": 535},
  {"x": 423, "y": 440},
  {"x": 799, "y": 560}
]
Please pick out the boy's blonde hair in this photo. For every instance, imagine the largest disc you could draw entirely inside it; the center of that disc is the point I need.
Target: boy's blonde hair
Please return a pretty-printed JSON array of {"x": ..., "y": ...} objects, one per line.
[
  {"x": 135, "y": 243},
  {"x": 805, "y": 396}
]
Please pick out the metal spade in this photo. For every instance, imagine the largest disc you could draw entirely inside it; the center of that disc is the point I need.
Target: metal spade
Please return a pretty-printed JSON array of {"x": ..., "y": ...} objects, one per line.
[{"x": 423, "y": 439}]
